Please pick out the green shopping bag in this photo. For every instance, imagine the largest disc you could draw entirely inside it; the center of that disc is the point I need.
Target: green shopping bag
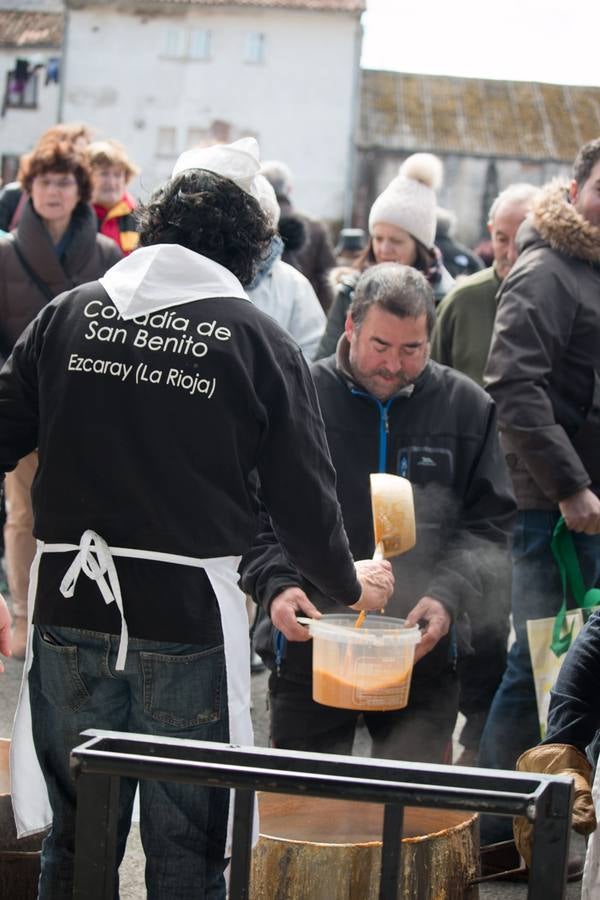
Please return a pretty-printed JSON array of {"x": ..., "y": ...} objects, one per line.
[
  {"x": 565, "y": 555},
  {"x": 549, "y": 639}
]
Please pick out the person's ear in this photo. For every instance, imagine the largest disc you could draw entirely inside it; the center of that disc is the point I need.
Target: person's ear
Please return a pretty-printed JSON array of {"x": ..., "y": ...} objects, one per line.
[
  {"x": 349, "y": 327},
  {"x": 573, "y": 191}
]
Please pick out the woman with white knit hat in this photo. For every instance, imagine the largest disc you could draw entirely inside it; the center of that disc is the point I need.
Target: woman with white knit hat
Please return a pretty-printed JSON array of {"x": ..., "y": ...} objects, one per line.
[{"x": 402, "y": 224}]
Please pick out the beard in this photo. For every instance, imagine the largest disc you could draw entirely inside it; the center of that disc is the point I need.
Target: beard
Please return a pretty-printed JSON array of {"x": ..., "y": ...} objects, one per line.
[{"x": 382, "y": 383}]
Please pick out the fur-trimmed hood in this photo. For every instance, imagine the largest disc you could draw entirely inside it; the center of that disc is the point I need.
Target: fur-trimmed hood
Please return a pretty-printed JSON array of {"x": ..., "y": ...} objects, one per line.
[
  {"x": 342, "y": 275},
  {"x": 559, "y": 224}
]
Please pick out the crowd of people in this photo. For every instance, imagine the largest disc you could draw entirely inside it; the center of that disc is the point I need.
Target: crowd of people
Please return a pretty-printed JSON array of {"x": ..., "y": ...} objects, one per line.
[{"x": 193, "y": 396}]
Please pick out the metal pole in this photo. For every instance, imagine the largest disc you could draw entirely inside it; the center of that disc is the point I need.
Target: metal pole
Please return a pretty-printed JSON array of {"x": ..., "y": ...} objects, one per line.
[
  {"x": 548, "y": 873},
  {"x": 241, "y": 852},
  {"x": 96, "y": 836},
  {"x": 109, "y": 756},
  {"x": 391, "y": 851},
  {"x": 62, "y": 71}
]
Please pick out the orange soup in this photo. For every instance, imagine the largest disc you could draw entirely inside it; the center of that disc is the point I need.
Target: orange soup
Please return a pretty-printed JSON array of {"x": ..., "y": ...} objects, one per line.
[{"x": 377, "y": 692}]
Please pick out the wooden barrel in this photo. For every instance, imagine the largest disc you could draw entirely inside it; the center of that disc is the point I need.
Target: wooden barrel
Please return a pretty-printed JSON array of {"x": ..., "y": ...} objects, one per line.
[
  {"x": 19, "y": 859},
  {"x": 318, "y": 849}
]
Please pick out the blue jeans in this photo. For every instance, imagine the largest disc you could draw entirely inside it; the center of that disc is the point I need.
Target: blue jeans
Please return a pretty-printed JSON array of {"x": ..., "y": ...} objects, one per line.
[
  {"x": 513, "y": 725},
  {"x": 178, "y": 690}
]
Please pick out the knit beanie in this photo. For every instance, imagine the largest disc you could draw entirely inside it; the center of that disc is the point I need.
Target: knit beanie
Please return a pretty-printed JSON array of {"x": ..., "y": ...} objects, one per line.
[{"x": 409, "y": 200}]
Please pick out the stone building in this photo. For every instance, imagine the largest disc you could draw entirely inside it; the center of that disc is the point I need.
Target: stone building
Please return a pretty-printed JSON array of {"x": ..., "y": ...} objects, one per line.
[
  {"x": 165, "y": 75},
  {"x": 488, "y": 134}
]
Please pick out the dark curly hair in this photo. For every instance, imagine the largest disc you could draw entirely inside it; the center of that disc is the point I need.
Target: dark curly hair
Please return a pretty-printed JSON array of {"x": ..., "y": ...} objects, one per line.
[
  {"x": 209, "y": 215},
  {"x": 56, "y": 156}
]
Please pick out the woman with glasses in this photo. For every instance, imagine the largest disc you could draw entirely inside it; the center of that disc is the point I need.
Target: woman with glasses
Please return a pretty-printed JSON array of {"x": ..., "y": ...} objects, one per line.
[{"x": 54, "y": 248}]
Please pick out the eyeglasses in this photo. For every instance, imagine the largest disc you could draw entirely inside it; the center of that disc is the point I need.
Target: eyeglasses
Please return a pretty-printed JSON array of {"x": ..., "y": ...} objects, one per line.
[{"x": 62, "y": 184}]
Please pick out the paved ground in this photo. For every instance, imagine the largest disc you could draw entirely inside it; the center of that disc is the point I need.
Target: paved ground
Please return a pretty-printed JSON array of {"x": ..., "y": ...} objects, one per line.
[{"x": 132, "y": 870}]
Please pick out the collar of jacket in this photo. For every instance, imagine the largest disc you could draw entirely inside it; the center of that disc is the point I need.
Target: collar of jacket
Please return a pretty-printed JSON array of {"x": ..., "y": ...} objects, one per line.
[
  {"x": 164, "y": 275},
  {"x": 342, "y": 364},
  {"x": 265, "y": 268},
  {"x": 559, "y": 224},
  {"x": 121, "y": 208},
  {"x": 495, "y": 273},
  {"x": 36, "y": 245}
]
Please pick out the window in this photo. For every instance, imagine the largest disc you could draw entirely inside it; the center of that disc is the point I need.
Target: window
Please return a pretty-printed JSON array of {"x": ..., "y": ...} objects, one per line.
[
  {"x": 175, "y": 43},
  {"x": 183, "y": 44},
  {"x": 254, "y": 47},
  {"x": 21, "y": 87},
  {"x": 166, "y": 143},
  {"x": 199, "y": 43},
  {"x": 198, "y": 137}
]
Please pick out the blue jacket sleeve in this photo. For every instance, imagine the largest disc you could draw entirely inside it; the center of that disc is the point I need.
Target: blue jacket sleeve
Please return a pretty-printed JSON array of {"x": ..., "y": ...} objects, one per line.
[{"x": 574, "y": 714}]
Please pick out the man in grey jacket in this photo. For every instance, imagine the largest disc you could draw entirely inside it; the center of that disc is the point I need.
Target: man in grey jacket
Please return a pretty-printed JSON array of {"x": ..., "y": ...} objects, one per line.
[{"x": 544, "y": 374}]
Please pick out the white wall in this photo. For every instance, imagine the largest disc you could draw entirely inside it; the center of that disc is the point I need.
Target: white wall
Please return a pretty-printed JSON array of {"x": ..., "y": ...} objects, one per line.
[
  {"x": 20, "y": 128},
  {"x": 298, "y": 102}
]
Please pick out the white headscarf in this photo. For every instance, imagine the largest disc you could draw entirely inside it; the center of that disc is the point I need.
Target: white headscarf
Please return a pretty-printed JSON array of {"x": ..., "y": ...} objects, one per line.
[{"x": 238, "y": 161}]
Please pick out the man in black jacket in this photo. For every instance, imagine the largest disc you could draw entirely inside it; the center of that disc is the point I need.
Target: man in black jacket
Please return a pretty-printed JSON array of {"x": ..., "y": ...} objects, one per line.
[
  {"x": 388, "y": 408},
  {"x": 543, "y": 371},
  {"x": 156, "y": 396}
]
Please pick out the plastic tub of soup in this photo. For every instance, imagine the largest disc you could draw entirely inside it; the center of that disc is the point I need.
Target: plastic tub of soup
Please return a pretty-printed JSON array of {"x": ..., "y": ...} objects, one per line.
[{"x": 367, "y": 668}]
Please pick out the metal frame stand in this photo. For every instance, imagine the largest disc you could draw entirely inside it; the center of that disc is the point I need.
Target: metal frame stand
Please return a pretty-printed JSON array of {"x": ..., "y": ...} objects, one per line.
[{"x": 107, "y": 756}]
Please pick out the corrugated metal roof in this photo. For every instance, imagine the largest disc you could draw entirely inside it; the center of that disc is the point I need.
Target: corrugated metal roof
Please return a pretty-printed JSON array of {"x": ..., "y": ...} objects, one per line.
[
  {"x": 31, "y": 29},
  {"x": 474, "y": 116}
]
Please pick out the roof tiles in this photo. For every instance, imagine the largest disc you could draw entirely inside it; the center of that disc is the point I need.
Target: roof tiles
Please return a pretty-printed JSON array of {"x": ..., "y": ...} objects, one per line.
[
  {"x": 30, "y": 29},
  {"x": 475, "y": 116}
]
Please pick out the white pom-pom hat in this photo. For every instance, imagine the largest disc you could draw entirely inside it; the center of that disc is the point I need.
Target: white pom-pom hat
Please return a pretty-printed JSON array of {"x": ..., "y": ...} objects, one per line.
[{"x": 409, "y": 201}]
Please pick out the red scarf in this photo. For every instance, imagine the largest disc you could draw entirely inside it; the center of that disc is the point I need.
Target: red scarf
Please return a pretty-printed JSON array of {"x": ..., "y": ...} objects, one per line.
[{"x": 111, "y": 227}]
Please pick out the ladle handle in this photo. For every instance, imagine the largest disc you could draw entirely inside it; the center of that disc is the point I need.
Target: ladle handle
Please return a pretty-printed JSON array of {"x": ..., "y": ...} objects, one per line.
[
  {"x": 360, "y": 618},
  {"x": 377, "y": 557}
]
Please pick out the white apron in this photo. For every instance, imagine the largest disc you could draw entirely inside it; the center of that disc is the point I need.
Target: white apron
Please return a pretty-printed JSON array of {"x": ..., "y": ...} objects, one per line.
[{"x": 95, "y": 558}]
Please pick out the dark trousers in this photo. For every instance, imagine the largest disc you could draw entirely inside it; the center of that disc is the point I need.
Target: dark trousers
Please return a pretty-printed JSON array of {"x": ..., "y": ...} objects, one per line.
[{"x": 422, "y": 732}]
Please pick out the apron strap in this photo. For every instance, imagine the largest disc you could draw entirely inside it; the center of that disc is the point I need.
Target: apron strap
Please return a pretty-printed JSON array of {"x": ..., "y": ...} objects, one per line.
[{"x": 95, "y": 560}]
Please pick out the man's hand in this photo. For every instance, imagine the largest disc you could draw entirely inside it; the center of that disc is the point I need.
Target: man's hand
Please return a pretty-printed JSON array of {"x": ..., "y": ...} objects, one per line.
[
  {"x": 283, "y": 613},
  {"x": 437, "y": 623},
  {"x": 5, "y": 623},
  {"x": 377, "y": 582},
  {"x": 582, "y": 512}
]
